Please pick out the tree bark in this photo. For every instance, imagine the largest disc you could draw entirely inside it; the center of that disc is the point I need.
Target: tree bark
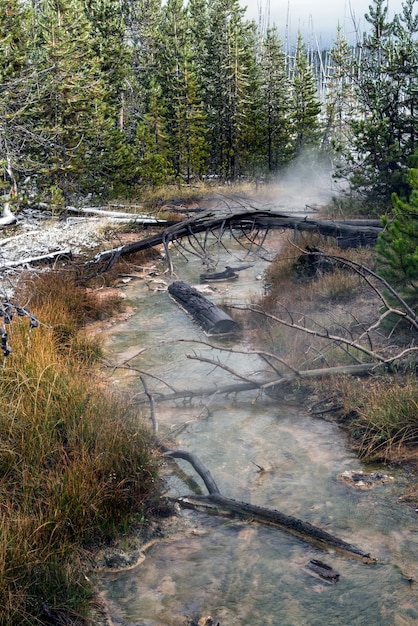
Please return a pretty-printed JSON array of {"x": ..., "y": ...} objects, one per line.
[{"x": 211, "y": 318}]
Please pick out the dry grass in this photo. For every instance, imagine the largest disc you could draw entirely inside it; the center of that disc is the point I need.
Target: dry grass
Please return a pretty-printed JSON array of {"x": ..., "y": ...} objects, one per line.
[
  {"x": 331, "y": 301},
  {"x": 75, "y": 463},
  {"x": 381, "y": 414}
]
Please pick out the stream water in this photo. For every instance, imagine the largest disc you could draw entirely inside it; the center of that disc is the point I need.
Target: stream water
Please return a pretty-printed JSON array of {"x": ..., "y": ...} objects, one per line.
[{"x": 238, "y": 572}]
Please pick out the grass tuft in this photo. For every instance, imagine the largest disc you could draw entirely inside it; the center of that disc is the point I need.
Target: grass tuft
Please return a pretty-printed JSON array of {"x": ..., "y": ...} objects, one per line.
[{"x": 76, "y": 464}]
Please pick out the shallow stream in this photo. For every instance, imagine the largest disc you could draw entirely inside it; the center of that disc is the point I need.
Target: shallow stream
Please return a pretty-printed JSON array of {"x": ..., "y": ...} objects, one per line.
[{"x": 243, "y": 573}]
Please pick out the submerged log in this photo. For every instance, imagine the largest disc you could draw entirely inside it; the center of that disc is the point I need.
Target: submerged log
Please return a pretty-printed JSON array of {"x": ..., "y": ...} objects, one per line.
[
  {"x": 211, "y": 318},
  {"x": 324, "y": 571},
  {"x": 217, "y": 503},
  {"x": 227, "y": 274}
]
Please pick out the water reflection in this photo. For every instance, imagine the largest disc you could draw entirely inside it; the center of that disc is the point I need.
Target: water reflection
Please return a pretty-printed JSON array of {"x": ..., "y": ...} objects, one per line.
[{"x": 243, "y": 573}]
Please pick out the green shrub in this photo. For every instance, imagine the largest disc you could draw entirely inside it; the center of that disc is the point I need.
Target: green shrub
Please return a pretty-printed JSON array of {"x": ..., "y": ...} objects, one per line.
[{"x": 397, "y": 245}]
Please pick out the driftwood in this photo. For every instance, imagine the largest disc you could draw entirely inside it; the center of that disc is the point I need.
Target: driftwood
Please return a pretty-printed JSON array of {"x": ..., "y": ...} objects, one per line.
[
  {"x": 143, "y": 218},
  {"x": 211, "y": 318},
  {"x": 43, "y": 258}
]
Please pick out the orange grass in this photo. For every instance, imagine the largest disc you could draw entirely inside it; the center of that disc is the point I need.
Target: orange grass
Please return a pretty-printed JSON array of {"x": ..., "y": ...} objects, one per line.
[{"x": 76, "y": 464}]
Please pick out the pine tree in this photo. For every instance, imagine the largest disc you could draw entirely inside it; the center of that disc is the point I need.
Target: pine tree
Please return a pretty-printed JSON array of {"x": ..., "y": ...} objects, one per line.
[
  {"x": 385, "y": 75},
  {"x": 16, "y": 78},
  {"x": 274, "y": 106},
  {"x": 305, "y": 107},
  {"x": 108, "y": 20},
  {"x": 180, "y": 90},
  {"x": 397, "y": 245},
  {"x": 340, "y": 102},
  {"x": 229, "y": 57},
  {"x": 82, "y": 148},
  {"x": 155, "y": 167}
]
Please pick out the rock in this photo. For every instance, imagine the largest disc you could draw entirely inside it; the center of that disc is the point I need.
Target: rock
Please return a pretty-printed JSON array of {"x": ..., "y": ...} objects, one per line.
[{"x": 364, "y": 481}]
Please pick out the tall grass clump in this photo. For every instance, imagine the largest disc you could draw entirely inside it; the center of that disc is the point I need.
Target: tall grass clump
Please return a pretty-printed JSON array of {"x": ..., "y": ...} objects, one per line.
[
  {"x": 76, "y": 464},
  {"x": 382, "y": 416}
]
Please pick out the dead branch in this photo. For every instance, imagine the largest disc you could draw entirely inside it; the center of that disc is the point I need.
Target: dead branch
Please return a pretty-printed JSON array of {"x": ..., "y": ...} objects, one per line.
[
  {"x": 215, "y": 502},
  {"x": 366, "y": 273},
  {"x": 315, "y": 333}
]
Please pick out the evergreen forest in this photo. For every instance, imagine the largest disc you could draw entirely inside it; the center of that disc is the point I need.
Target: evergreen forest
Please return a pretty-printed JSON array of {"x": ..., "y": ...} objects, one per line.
[{"x": 107, "y": 96}]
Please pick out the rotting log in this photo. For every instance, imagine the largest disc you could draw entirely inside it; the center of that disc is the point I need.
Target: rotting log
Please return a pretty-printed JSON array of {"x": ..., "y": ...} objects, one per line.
[{"x": 211, "y": 318}]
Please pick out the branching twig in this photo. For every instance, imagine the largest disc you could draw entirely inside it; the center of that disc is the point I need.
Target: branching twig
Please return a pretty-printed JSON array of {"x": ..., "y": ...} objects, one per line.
[{"x": 323, "y": 335}]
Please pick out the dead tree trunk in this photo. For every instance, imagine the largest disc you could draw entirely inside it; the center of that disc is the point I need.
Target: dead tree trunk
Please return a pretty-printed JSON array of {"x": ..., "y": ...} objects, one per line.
[
  {"x": 211, "y": 318},
  {"x": 246, "y": 221}
]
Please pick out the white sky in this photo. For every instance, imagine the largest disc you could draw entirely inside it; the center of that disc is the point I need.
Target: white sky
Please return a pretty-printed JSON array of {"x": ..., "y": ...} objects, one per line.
[{"x": 315, "y": 17}]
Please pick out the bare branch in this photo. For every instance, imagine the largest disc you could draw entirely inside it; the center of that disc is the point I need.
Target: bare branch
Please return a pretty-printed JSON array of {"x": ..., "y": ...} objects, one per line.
[{"x": 324, "y": 335}]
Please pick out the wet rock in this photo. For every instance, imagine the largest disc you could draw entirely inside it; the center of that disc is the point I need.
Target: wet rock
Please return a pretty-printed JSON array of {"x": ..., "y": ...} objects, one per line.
[
  {"x": 362, "y": 480},
  {"x": 120, "y": 560}
]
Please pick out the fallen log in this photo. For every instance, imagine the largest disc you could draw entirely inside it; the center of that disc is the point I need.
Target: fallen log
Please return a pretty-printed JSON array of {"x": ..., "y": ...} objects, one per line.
[
  {"x": 43, "y": 258},
  {"x": 227, "y": 274},
  {"x": 271, "y": 386},
  {"x": 217, "y": 503},
  {"x": 143, "y": 218},
  {"x": 211, "y": 318},
  {"x": 249, "y": 221}
]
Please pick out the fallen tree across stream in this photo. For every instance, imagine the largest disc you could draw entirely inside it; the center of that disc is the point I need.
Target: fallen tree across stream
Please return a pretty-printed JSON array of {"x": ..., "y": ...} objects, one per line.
[
  {"x": 217, "y": 503},
  {"x": 247, "y": 222},
  {"x": 264, "y": 385}
]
